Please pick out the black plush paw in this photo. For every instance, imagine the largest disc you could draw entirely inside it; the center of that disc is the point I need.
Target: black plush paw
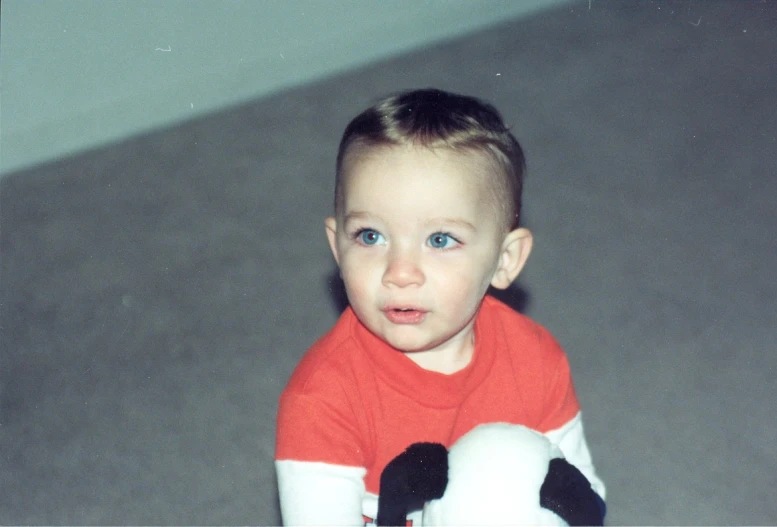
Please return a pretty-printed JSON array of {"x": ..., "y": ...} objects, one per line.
[
  {"x": 415, "y": 476},
  {"x": 568, "y": 493}
]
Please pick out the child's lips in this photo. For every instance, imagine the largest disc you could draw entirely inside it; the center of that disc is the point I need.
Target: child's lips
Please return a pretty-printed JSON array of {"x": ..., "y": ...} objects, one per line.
[{"x": 404, "y": 314}]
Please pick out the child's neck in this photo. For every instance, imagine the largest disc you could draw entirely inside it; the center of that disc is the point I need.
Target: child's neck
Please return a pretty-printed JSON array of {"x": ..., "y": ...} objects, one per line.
[{"x": 453, "y": 357}]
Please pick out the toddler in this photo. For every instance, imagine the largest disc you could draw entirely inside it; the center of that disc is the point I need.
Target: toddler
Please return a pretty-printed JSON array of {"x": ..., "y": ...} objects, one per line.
[{"x": 427, "y": 207}]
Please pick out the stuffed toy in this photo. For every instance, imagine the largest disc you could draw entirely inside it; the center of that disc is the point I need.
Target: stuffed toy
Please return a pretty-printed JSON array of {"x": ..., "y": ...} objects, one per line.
[{"x": 496, "y": 474}]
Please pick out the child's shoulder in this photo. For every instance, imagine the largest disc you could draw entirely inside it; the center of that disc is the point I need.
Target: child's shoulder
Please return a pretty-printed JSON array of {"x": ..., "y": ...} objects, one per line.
[
  {"x": 520, "y": 330},
  {"x": 329, "y": 359},
  {"x": 512, "y": 319}
]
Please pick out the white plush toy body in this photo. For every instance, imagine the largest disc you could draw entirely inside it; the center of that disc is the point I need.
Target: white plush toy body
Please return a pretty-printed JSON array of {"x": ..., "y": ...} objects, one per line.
[
  {"x": 509, "y": 488},
  {"x": 496, "y": 474}
]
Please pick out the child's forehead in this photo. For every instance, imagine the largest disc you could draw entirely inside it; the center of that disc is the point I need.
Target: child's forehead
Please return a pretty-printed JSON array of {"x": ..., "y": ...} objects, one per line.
[
  {"x": 410, "y": 164},
  {"x": 418, "y": 181}
]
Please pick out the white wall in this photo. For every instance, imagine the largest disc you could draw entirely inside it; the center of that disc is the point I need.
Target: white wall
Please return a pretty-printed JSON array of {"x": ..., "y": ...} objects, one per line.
[{"x": 76, "y": 74}]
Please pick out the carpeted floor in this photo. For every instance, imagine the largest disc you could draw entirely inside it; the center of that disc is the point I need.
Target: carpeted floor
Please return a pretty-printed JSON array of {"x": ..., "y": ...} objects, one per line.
[{"x": 155, "y": 295}]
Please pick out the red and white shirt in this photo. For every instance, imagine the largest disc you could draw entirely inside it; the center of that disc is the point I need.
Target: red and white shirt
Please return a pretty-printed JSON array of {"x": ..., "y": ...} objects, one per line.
[{"x": 354, "y": 403}]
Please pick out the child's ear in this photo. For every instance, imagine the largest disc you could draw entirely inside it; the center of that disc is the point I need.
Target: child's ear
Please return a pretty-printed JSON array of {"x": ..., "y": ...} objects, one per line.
[
  {"x": 515, "y": 251},
  {"x": 331, "y": 235}
]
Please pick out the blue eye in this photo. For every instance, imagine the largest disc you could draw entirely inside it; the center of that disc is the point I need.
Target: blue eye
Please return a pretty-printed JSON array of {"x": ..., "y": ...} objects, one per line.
[
  {"x": 369, "y": 237},
  {"x": 441, "y": 240}
]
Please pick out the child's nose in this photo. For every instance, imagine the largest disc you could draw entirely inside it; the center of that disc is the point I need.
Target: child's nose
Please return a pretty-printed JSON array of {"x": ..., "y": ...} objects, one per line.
[{"x": 403, "y": 270}]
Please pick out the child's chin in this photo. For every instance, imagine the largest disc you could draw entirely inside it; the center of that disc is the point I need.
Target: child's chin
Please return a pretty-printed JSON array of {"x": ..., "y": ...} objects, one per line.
[
  {"x": 409, "y": 345},
  {"x": 405, "y": 347}
]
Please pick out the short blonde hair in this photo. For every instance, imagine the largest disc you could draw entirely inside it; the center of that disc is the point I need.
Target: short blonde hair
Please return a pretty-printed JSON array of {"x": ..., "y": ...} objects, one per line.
[{"x": 434, "y": 119}]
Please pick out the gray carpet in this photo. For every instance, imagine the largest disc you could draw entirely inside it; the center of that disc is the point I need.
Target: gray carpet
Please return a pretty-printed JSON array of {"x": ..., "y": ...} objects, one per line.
[{"x": 156, "y": 294}]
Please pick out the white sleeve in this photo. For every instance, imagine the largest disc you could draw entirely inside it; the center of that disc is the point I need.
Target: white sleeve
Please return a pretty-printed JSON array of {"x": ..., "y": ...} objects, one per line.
[
  {"x": 570, "y": 438},
  {"x": 319, "y": 493}
]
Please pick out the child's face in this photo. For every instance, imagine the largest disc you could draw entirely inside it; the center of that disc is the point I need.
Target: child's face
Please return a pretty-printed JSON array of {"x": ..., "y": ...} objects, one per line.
[{"x": 418, "y": 241}]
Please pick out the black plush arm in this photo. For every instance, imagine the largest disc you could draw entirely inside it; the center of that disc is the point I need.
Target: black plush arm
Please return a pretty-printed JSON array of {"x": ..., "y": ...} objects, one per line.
[
  {"x": 415, "y": 476},
  {"x": 568, "y": 493}
]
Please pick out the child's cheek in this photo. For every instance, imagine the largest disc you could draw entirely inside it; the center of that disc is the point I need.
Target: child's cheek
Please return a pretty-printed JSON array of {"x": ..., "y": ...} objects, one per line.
[{"x": 356, "y": 280}]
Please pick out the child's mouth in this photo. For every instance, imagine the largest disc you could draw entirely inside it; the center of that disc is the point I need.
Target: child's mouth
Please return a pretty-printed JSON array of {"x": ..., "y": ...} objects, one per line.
[{"x": 405, "y": 315}]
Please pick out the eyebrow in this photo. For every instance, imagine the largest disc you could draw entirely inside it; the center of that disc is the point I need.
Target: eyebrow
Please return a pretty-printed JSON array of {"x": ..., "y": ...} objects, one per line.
[
  {"x": 358, "y": 215},
  {"x": 464, "y": 224}
]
